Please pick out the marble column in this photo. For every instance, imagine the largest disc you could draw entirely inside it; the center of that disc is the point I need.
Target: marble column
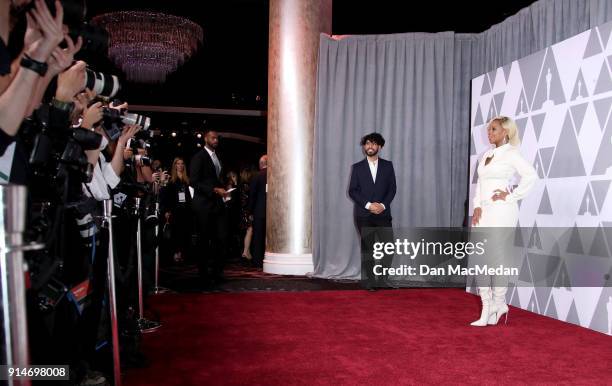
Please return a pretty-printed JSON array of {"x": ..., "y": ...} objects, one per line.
[{"x": 295, "y": 26}]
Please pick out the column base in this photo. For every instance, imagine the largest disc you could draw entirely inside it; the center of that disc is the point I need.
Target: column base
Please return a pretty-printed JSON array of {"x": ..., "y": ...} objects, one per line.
[{"x": 287, "y": 263}]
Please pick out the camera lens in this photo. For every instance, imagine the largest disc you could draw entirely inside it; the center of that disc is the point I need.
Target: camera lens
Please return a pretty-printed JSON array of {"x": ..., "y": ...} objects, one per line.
[
  {"x": 103, "y": 84},
  {"x": 137, "y": 119}
]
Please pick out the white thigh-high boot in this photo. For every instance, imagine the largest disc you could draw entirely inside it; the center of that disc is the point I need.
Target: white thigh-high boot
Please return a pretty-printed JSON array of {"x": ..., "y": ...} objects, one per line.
[
  {"x": 499, "y": 306},
  {"x": 485, "y": 296}
]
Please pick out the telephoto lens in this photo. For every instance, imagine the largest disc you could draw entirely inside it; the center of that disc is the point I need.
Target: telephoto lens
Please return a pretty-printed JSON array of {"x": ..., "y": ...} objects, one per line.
[
  {"x": 103, "y": 84},
  {"x": 136, "y": 119}
]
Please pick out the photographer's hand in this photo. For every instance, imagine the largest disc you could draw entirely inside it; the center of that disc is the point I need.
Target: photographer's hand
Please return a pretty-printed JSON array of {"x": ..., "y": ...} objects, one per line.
[
  {"x": 127, "y": 154},
  {"x": 92, "y": 115},
  {"x": 61, "y": 59},
  {"x": 220, "y": 192},
  {"x": 123, "y": 106},
  {"x": 117, "y": 162},
  {"x": 128, "y": 132},
  {"x": 70, "y": 82},
  {"x": 50, "y": 30},
  {"x": 80, "y": 103}
]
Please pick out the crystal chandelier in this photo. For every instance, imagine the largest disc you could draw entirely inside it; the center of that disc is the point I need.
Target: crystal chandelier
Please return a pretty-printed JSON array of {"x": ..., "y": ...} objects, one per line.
[{"x": 148, "y": 46}]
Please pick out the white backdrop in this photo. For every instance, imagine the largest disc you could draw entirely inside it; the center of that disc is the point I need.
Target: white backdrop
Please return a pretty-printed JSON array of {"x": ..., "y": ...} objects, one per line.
[{"x": 561, "y": 99}]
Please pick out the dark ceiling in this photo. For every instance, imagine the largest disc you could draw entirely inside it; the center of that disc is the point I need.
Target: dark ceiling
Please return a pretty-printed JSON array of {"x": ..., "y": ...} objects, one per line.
[{"x": 230, "y": 68}]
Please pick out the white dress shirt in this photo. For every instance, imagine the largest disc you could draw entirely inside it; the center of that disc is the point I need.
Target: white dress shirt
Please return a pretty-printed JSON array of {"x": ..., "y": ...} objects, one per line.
[
  {"x": 104, "y": 177},
  {"x": 373, "y": 170},
  {"x": 215, "y": 159}
]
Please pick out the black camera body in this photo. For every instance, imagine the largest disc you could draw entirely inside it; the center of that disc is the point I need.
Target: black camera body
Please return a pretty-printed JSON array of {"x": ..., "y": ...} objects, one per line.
[{"x": 54, "y": 143}]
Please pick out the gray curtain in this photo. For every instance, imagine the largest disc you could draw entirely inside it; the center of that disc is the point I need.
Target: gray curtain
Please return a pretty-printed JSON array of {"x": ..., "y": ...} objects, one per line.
[{"x": 414, "y": 88}]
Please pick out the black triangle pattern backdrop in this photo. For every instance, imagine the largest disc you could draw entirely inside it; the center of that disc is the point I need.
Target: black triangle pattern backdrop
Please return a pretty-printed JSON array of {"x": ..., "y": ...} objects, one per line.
[{"x": 561, "y": 100}]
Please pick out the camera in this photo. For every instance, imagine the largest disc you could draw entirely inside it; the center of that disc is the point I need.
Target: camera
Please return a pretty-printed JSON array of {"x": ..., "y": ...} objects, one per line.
[
  {"x": 74, "y": 157},
  {"x": 103, "y": 84},
  {"x": 114, "y": 116},
  {"x": 54, "y": 144},
  {"x": 143, "y": 159},
  {"x": 135, "y": 145}
]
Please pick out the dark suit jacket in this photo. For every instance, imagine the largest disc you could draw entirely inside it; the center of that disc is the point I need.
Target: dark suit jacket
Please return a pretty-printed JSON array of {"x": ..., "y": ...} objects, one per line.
[
  {"x": 257, "y": 194},
  {"x": 362, "y": 188},
  {"x": 203, "y": 179}
]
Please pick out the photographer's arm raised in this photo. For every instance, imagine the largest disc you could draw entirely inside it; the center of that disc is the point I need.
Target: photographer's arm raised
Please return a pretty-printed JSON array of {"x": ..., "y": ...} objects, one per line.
[
  {"x": 58, "y": 62},
  {"x": 144, "y": 173},
  {"x": 15, "y": 100},
  {"x": 117, "y": 162}
]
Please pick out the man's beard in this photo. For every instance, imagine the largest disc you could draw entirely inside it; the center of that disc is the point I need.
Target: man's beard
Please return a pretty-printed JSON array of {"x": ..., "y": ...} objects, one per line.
[{"x": 374, "y": 152}]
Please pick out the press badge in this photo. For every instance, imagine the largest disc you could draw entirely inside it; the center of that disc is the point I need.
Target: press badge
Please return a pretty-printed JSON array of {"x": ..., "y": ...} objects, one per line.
[{"x": 181, "y": 196}]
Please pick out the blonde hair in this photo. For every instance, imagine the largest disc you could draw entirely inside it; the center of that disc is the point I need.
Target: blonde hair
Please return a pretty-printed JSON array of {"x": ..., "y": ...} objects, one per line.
[
  {"x": 246, "y": 174},
  {"x": 174, "y": 174},
  {"x": 509, "y": 125}
]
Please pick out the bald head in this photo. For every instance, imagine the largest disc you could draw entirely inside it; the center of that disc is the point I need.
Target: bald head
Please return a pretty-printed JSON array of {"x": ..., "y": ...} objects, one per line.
[{"x": 263, "y": 162}]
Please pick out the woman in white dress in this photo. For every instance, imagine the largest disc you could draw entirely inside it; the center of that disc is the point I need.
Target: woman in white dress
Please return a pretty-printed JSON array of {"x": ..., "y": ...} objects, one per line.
[{"x": 495, "y": 206}]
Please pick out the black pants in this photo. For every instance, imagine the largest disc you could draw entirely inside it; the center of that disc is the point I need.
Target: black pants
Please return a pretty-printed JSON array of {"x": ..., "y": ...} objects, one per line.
[
  {"x": 372, "y": 229},
  {"x": 258, "y": 244},
  {"x": 213, "y": 234},
  {"x": 182, "y": 224}
]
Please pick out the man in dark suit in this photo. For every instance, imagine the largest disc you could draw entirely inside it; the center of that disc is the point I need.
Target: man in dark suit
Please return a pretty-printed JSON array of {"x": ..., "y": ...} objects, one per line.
[
  {"x": 257, "y": 205},
  {"x": 210, "y": 210},
  {"x": 372, "y": 188}
]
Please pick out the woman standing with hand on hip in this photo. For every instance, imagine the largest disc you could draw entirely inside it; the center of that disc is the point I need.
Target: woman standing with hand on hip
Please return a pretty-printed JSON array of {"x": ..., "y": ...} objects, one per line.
[{"x": 496, "y": 207}]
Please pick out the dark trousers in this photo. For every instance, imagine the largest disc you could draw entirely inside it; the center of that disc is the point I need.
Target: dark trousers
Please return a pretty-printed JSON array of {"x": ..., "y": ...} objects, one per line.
[
  {"x": 373, "y": 229},
  {"x": 213, "y": 234},
  {"x": 258, "y": 244},
  {"x": 182, "y": 224}
]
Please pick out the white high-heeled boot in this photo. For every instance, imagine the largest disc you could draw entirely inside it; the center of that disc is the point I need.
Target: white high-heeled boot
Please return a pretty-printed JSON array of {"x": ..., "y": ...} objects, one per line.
[
  {"x": 499, "y": 306},
  {"x": 485, "y": 314}
]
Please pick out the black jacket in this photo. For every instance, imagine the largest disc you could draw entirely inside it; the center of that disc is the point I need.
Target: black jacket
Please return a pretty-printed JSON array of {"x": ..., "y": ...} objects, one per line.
[
  {"x": 203, "y": 179},
  {"x": 362, "y": 188}
]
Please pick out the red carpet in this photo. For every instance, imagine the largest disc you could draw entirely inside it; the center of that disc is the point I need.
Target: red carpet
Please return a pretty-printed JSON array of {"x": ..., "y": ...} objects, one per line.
[{"x": 356, "y": 337}]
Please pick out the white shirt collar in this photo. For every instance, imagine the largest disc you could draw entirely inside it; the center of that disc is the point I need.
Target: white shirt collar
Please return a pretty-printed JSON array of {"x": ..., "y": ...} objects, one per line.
[
  {"x": 498, "y": 150},
  {"x": 210, "y": 152}
]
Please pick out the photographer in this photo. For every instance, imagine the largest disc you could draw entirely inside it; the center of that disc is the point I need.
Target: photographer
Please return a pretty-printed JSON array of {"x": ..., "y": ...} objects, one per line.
[
  {"x": 106, "y": 174},
  {"x": 43, "y": 36}
]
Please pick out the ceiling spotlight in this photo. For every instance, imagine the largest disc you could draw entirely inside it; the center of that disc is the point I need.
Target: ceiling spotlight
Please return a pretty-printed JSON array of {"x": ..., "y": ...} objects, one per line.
[
  {"x": 199, "y": 145},
  {"x": 179, "y": 144},
  {"x": 174, "y": 134},
  {"x": 199, "y": 135}
]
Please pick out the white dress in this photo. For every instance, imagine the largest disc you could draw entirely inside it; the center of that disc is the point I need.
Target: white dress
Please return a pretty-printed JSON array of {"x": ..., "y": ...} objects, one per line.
[
  {"x": 499, "y": 218},
  {"x": 506, "y": 161}
]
